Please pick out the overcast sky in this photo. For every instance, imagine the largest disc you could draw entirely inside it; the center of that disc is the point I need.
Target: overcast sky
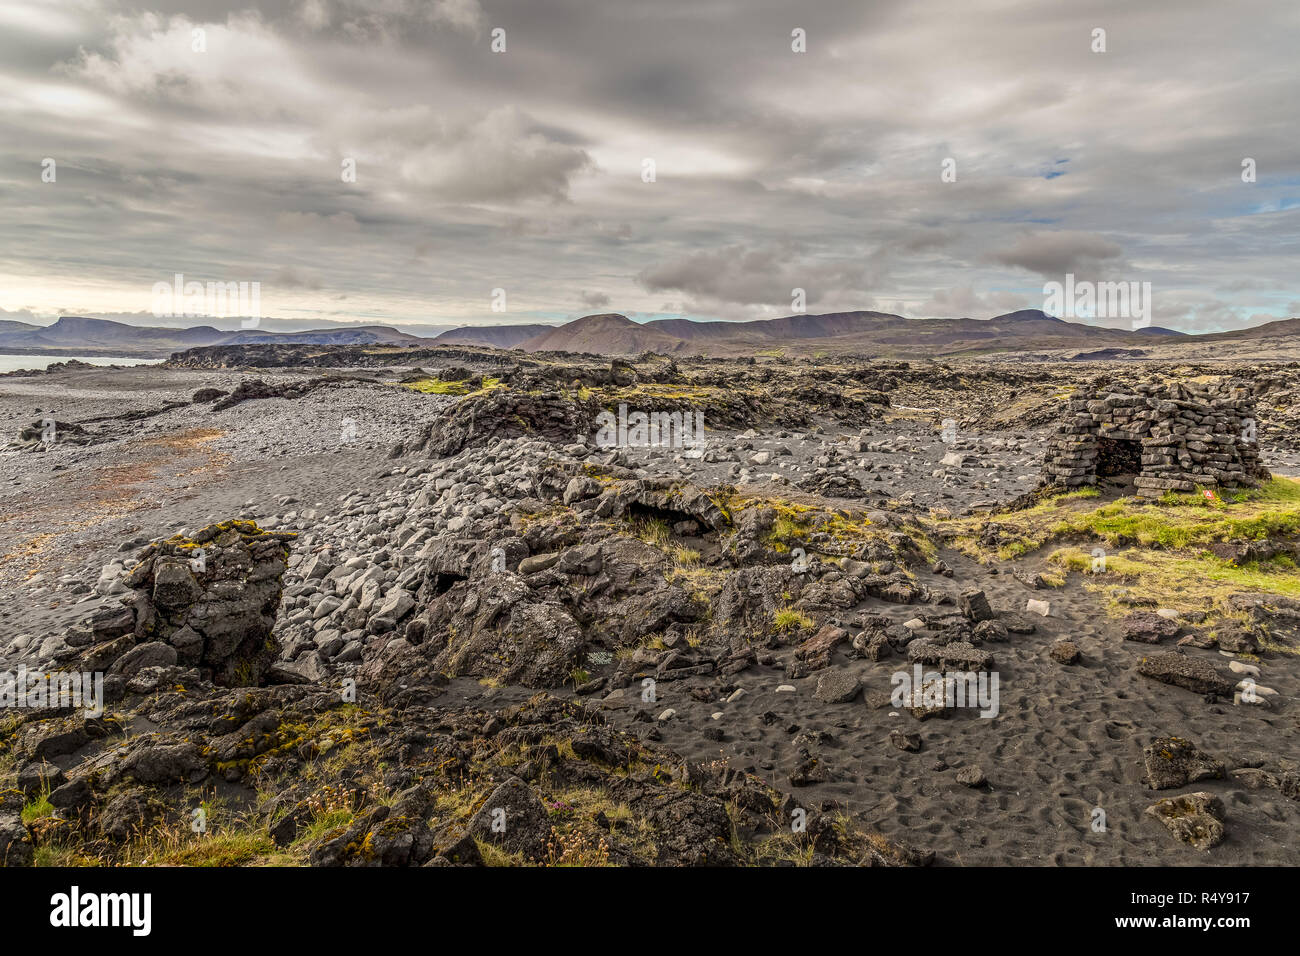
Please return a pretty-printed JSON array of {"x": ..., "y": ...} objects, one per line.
[{"x": 522, "y": 170}]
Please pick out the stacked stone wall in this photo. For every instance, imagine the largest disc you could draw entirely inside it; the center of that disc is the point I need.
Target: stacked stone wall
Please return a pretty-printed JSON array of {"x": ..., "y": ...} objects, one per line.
[{"x": 1192, "y": 436}]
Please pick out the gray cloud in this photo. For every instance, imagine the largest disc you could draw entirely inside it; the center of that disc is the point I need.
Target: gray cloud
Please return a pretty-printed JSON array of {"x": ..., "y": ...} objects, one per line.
[
  {"x": 776, "y": 169},
  {"x": 290, "y": 278},
  {"x": 966, "y": 303},
  {"x": 766, "y": 276},
  {"x": 1053, "y": 254},
  {"x": 505, "y": 156}
]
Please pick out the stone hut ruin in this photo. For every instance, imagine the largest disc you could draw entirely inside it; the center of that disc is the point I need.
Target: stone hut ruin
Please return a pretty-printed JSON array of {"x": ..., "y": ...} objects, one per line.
[{"x": 1176, "y": 437}]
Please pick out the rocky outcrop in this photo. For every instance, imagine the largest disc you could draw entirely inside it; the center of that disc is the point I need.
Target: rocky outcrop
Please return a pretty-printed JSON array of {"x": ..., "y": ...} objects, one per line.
[
  {"x": 205, "y": 601},
  {"x": 1191, "y": 673},
  {"x": 16, "y": 847},
  {"x": 515, "y": 819},
  {"x": 251, "y": 389},
  {"x": 506, "y": 631},
  {"x": 1193, "y": 818},
  {"x": 44, "y": 433},
  {"x": 1174, "y": 762},
  {"x": 536, "y": 782},
  {"x": 503, "y": 414},
  {"x": 1147, "y": 627}
]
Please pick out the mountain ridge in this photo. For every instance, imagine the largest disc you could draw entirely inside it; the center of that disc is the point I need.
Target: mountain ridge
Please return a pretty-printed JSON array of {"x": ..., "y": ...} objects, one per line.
[
  {"x": 497, "y": 336},
  {"x": 71, "y": 334},
  {"x": 857, "y": 331},
  {"x": 612, "y": 333}
]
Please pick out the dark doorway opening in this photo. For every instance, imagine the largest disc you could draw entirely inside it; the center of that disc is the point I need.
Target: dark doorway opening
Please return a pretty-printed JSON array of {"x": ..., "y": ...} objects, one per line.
[
  {"x": 1118, "y": 457},
  {"x": 442, "y": 581}
]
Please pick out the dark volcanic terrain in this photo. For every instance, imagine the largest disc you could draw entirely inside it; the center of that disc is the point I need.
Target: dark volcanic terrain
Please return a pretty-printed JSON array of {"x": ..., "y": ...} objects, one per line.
[{"x": 360, "y": 603}]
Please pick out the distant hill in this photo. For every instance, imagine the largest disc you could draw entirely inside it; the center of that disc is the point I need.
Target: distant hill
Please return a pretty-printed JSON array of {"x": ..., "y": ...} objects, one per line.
[
  {"x": 862, "y": 332},
  {"x": 72, "y": 332},
  {"x": 76, "y": 334},
  {"x": 496, "y": 336},
  {"x": 605, "y": 334},
  {"x": 365, "y": 335},
  {"x": 830, "y": 325},
  {"x": 1282, "y": 328},
  {"x": 9, "y": 325}
]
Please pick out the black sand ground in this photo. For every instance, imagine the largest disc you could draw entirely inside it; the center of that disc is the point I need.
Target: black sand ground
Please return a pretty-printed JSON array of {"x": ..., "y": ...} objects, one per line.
[{"x": 1067, "y": 740}]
